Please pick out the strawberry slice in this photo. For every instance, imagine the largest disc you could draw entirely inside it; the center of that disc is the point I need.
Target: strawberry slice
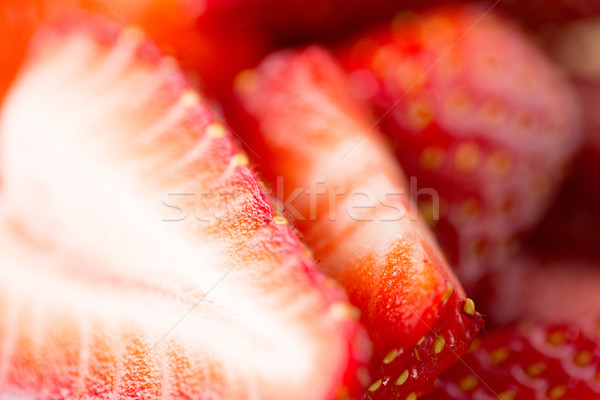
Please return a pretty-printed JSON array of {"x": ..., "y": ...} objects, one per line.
[
  {"x": 139, "y": 256},
  {"x": 554, "y": 361},
  {"x": 477, "y": 113},
  {"x": 352, "y": 208}
]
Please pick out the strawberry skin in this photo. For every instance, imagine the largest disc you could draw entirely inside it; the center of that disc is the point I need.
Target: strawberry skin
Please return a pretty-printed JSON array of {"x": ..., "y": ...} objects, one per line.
[
  {"x": 536, "y": 361},
  {"x": 117, "y": 278},
  {"x": 476, "y": 113},
  {"x": 299, "y": 116}
]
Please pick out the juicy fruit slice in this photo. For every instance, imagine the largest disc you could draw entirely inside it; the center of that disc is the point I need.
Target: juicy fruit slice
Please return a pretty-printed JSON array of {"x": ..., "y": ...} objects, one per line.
[
  {"x": 554, "y": 361},
  {"x": 352, "y": 208},
  {"x": 478, "y": 114},
  {"x": 139, "y": 256}
]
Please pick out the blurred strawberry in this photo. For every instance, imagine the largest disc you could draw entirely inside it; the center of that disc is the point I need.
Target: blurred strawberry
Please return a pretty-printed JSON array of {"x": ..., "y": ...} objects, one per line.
[
  {"x": 212, "y": 40},
  {"x": 530, "y": 362},
  {"x": 347, "y": 196},
  {"x": 534, "y": 287},
  {"x": 139, "y": 256},
  {"x": 550, "y": 11},
  {"x": 576, "y": 48},
  {"x": 477, "y": 113}
]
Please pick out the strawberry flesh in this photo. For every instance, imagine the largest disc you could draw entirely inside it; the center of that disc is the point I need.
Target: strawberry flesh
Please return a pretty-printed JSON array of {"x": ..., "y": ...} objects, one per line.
[
  {"x": 310, "y": 134},
  {"x": 139, "y": 255}
]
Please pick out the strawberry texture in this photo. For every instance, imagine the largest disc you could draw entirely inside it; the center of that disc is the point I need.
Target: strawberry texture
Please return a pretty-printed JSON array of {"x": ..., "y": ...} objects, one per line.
[
  {"x": 140, "y": 257},
  {"x": 477, "y": 113},
  {"x": 352, "y": 209},
  {"x": 531, "y": 361}
]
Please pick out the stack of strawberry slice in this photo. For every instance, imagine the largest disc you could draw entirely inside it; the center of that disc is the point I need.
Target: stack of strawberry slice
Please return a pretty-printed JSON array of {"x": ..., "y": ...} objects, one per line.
[{"x": 307, "y": 230}]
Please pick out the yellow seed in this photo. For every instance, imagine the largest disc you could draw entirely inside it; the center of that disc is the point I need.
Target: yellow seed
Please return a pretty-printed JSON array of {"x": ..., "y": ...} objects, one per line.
[
  {"x": 402, "y": 378},
  {"x": 189, "y": 98},
  {"x": 412, "y": 396},
  {"x": 499, "y": 164},
  {"x": 279, "y": 220},
  {"x": 458, "y": 102},
  {"x": 469, "y": 307},
  {"x": 467, "y": 157},
  {"x": 342, "y": 311},
  {"x": 246, "y": 82},
  {"x": 536, "y": 369},
  {"x": 475, "y": 345},
  {"x": 308, "y": 252},
  {"x": 556, "y": 338},
  {"x": 216, "y": 130},
  {"x": 468, "y": 383},
  {"x": 391, "y": 356},
  {"x": 447, "y": 293},
  {"x": 239, "y": 160},
  {"x": 375, "y": 386},
  {"x": 493, "y": 112},
  {"x": 419, "y": 115},
  {"x": 583, "y": 358},
  {"x": 432, "y": 158},
  {"x": 417, "y": 354},
  {"x": 420, "y": 342},
  {"x": 439, "y": 344},
  {"x": 557, "y": 392},
  {"x": 498, "y": 356},
  {"x": 506, "y": 396},
  {"x": 470, "y": 208}
]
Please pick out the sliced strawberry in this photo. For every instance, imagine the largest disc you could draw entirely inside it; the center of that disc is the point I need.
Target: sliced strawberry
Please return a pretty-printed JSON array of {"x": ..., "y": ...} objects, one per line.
[
  {"x": 476, "y": 113},
  {"x": 556, "y": 361},
  {"x": 139, "y": 256},
  {"x": 353, "y": 211}
]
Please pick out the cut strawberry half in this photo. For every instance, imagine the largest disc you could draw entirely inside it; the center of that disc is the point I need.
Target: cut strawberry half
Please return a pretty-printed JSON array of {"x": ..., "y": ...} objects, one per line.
[
  {"x": 139, "y": 256},
  {"x": 535, "y": 361},
  {"x": 477, "y": 113},
  {"x": 345, "y": 193}
]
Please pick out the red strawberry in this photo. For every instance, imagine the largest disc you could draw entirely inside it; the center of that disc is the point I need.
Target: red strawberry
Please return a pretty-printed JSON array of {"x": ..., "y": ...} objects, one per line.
[
  {"x": 478, "y": 114},
  {"x": 532, "y": 287},
  {"x": 556, "y": 361},
  {"x": 139, "y": 256},
  {"x": 353, "y": 211}
]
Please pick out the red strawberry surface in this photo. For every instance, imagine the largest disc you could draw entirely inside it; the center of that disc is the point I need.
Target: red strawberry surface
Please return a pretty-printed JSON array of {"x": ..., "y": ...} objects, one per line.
[
  {"x": 353, "y": 210},
  {"x": 477, "y": 113},
  {"x": 530, "y": 362},
  {"x": 139, "y": 256}
]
